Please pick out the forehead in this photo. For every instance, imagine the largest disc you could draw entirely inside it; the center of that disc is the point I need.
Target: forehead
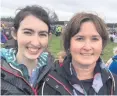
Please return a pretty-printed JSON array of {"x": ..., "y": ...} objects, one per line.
[
  {"x": 33, "y": 23},
  {"x": 88, "y": 28}
]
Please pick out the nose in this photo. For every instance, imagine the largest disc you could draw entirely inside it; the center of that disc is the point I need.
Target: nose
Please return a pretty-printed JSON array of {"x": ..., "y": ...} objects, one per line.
[
  {"x": 35, "y": 40},
  {"x": 87, "y": 45}
]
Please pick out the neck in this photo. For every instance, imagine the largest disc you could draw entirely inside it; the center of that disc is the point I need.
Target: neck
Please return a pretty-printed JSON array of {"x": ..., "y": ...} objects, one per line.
[
  {"x": 30, "y": 64},
  {"x": 84, "y": 71}
]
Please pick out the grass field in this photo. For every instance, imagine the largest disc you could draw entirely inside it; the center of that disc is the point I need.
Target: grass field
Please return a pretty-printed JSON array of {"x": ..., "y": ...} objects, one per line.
[{"x": 55, "y": 45}]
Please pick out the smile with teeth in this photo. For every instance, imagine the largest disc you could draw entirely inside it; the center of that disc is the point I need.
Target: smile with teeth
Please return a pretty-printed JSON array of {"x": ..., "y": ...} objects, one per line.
[
  {"x": 33, "y": 50},
  {"x": 86, "y": 54}
]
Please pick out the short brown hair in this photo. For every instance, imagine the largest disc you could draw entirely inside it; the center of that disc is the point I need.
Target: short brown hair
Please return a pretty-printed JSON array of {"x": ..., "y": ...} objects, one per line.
[{"x": 74, "y": 25}]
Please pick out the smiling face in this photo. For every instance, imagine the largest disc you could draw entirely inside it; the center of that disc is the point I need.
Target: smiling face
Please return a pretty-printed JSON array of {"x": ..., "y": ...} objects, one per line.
[
  {"x": 32, "y": 37},
  {"x": 86, "y": 45}
]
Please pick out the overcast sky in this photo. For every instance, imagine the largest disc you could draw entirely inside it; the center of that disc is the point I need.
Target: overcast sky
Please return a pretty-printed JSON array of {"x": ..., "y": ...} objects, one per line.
[{"x": 65, "y": 9}]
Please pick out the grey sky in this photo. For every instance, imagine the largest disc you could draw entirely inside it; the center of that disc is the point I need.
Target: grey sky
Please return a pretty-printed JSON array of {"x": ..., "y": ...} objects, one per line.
[{"x": 65, "y": 9}]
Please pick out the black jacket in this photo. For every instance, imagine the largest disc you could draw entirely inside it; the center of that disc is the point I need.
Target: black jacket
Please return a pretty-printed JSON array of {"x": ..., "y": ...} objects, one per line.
[
  {"x": 13, "y": 83},
  {"x": 59, "y": 81}
]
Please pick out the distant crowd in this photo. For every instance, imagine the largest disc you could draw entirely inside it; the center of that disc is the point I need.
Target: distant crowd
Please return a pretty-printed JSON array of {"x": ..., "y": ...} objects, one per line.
[{"x": 113, "y": 37}]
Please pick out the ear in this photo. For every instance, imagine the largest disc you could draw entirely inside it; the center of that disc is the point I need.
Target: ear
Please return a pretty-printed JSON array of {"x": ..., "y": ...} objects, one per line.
[{"x": 14, "y": 35}]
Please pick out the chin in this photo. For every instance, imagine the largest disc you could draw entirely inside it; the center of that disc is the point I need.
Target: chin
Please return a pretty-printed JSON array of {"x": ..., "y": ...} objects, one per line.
[
  {"x": 86, "y": 62},
  {"x": 32, "y": 57}
]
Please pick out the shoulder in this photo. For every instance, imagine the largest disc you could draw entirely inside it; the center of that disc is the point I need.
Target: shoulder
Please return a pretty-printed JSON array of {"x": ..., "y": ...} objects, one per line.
[
  {"x": 3, "y": 55},
  {"x": 7, "y": 57},
  {"x": 47, "y": 87},
  {"x": 115, "y": 76},
  {"x": 51, "y": 57},
  {"x": 114, "y": 62},
  {"x": 109, "y": 62},
  {"x": 3, "y": 61},
  {"x": 115, "y": 57},
  {"x": 47, "y": 55},
  {"x": 6, "y": 52},
  {"x": 3, "y": 51},
  {"x": 54, "y": 84}
]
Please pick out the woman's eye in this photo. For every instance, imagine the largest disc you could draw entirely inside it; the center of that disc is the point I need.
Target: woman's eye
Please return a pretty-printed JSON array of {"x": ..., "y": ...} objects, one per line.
[
  {"x": 28, "y": 33},
  {"x": 79, "y": 39},
  {"x": 43, "y": 35},
  {"x": 95, "y": 39}
]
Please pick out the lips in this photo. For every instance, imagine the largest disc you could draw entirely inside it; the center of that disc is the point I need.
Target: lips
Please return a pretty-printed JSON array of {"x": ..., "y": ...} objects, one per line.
[
  {"x": 33, "y": 51},
  {"x": 86, "y": 54}
]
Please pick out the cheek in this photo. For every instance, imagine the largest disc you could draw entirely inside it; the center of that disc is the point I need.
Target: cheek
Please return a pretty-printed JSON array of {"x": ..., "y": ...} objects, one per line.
[
  {"x": 98, "y": 47},
  {"x": 74, "y": 48},
  {"x": 98, "y": 51},
  {"x": 44, "y": 42},
  {"x": 22, "y": 42},
  {"x": 22, "y": 39}
]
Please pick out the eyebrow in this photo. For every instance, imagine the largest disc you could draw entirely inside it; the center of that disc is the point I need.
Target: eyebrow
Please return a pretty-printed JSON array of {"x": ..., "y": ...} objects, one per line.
[
  {"x": 96, "y": 36},
  {"x": 44, "y": 32},
  {"x": 34, "y": 31},
  {"x": 28, "y": 29},
  {"x": 83, "y": 36}
]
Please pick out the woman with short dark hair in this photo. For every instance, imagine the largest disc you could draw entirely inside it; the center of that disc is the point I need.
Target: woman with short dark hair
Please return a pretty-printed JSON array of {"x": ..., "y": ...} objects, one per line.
[{"x": 83, "y": 71}]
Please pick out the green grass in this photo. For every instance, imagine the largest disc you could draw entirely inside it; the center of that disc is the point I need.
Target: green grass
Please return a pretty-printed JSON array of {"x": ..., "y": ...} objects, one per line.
[
  {"x": 55, "y": 45},
  {"x": 108, "y": 51}
]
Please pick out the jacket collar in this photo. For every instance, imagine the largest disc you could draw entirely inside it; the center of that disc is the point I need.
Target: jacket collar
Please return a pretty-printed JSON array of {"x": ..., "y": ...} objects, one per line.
[
  {"x": 10, "y": 56},
  {"x": 100, "y": 72},
  {"x": 99, "y": 68}
]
